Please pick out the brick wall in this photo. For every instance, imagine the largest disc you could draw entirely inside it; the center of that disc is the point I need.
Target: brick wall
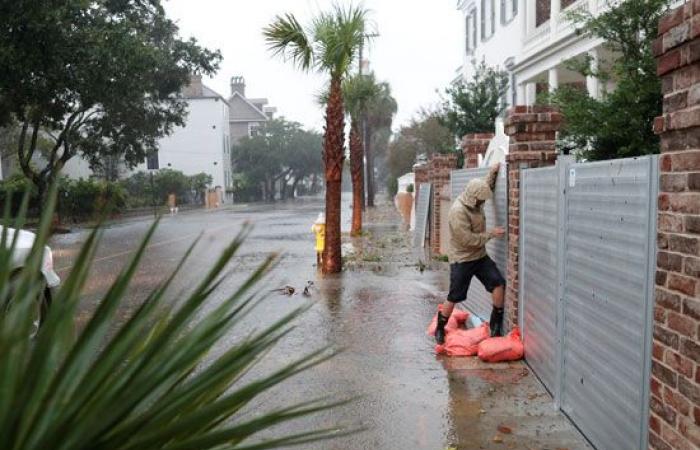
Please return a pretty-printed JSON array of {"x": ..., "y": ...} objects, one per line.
[
  {"x": 674, "y": 421},
  {"x": 532, "y": 131},
  {"x": 473, "y": 145},
  {"x": 440, "y": 169}
]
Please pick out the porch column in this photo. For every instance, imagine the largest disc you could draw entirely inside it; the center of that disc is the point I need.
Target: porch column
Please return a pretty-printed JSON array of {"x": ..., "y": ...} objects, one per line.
[
  {"x": 553, "y": 79},
  {"x": 592, "y": 84},
  {"x": 530, "y": 93}
]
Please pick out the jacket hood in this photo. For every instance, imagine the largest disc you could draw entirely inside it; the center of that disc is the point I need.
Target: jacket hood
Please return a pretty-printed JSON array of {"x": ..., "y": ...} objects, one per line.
[{"x": 477, "y": 189}]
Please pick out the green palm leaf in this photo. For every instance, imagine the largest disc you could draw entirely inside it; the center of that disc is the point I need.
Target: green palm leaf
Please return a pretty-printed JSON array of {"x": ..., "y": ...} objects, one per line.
[{"x": 152, "y": 383}]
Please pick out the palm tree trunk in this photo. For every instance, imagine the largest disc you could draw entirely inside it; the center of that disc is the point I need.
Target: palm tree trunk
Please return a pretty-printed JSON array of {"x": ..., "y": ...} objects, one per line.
[
  {"x": 333, "y": 156},
  {"x": 370, "y": 167},
  {"x": 356, "y": 168}
]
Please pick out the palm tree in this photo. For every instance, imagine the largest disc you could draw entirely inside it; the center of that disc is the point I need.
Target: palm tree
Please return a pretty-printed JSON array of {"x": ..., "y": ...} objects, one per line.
[
  {"x": 328, "y": 45},
  {"x": 380, "y": 114},
  {"x": 357, "y": 92}
]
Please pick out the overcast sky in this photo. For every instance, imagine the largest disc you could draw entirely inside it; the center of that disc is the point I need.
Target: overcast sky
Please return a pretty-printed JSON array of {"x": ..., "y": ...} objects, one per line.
[{"x": 418, "y": 51}]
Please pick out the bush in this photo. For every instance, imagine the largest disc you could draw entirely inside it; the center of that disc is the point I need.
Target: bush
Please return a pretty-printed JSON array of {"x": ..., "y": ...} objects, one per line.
[
  {"x": 410, "y": 189},
  {"x": 392, "y": 186},
  {"x": 86, "y": 199},
  {"x": 143, "y": 192},
  {"x": 17, "y": 185}
]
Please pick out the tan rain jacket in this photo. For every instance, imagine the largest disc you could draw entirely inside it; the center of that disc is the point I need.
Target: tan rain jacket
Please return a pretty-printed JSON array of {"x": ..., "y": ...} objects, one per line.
[{"x": 467, "y": 222}]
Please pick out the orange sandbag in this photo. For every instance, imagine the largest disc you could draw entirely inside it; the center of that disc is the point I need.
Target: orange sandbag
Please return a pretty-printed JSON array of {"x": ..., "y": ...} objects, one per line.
[
  {"x": 463, "y": 342},
  {"x": 456, "y": 320},
  {"x": 499, "y": 349}
]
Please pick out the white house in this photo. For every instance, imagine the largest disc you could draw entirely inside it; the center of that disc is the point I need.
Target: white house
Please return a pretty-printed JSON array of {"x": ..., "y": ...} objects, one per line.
[
  {"x": 204, "y": 143},
  {"x": 532, "y": 40}
]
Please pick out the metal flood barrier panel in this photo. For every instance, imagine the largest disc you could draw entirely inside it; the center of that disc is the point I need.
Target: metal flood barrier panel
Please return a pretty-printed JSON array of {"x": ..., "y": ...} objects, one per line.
[
  {"x": 478, "y": 299},
  {"x": 597, "y": 327},
  {"x": 538, "y": 286},
  {"x": 422, "y": 214}
]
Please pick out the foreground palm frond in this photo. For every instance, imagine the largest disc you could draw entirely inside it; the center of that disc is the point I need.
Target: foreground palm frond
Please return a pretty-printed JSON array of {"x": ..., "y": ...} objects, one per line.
[{"x": 150, "y": 384}]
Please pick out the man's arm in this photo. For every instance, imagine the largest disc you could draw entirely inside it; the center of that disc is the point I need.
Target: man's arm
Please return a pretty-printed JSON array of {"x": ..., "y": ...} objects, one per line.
[
  {"x": 465, "y": 237},
  {"x": 493, "y": 174}
]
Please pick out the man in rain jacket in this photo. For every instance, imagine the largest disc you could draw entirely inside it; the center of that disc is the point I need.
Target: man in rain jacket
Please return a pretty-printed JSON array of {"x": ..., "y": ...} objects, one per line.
[{"x": 467, "y": 253}]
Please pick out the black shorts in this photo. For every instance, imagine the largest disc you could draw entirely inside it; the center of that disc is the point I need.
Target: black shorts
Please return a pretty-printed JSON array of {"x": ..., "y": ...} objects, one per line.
[{"x": 461, "y": 275}]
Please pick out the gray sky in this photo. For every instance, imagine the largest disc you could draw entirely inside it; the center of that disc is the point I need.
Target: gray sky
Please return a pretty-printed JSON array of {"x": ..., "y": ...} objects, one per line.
[{"x": 418, "y": 51}]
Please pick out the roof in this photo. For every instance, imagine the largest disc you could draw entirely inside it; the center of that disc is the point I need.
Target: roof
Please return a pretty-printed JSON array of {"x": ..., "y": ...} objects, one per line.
[{"x": 255, "y": 112}]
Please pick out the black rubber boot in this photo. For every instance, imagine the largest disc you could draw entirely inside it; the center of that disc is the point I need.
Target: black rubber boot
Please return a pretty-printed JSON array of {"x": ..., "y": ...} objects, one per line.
[
  {"x": 496, "y": 322},
  {"x": 440, "y": 329}
]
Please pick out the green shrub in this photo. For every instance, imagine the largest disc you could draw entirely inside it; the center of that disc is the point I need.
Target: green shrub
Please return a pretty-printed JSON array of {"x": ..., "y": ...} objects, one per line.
[
  {"x": 86, "y": 199},
  {"x": 12, "y": 190},
  {"x": 410, "y": 188},
  {"x": 392, "y": 186}
]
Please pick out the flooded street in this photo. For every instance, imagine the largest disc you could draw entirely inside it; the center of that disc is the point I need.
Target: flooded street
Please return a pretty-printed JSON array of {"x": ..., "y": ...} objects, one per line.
[{"x": 376, "y": 312}]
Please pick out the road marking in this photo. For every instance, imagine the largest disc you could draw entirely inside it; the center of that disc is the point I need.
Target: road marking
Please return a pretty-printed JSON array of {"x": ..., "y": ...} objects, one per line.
[{"x": 154, "y": 245}]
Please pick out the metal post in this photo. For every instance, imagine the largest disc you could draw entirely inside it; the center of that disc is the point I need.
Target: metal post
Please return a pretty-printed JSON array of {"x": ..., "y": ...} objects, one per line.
[
  {"x": 563, "y": 164},
  {"x": 153, "y": 194}
]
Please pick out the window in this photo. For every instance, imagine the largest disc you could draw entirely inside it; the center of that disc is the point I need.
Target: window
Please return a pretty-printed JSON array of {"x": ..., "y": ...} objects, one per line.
[
  {"x": 542, "y": 11},
  {"x": 471, "y": 31},
  {"x": 152, "y": 161},
  {"x": 509, "y": 9},
  {"x": 253, "y": 129},
  {"x": 566, "y": 3},
  {"x": 488, "y": 18}
]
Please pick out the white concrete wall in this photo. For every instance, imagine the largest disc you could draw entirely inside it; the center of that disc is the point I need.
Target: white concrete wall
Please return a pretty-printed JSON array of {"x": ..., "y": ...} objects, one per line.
[{"x": 203, "y": 145}]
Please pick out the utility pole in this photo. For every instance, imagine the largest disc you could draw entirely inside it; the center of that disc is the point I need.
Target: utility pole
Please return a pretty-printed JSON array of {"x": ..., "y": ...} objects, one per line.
[{"x": 368, "y": 184}]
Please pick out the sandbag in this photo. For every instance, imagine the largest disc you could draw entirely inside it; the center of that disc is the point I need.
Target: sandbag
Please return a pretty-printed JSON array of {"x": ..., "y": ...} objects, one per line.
[
  {"x": 463, "y": 342},
  {"x": 500, "y": 349},
  {"x": 456, "y": 320}
]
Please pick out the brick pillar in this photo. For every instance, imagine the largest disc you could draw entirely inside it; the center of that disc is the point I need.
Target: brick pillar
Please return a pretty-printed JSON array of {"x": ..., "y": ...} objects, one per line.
[
  {"x": 674, "y": 420},
  {"x": 440, "y": 169},
  {"x": 473, "y": 145},
  {"x": 420, "y": 173},
  {"x": 532, "y": 131}
]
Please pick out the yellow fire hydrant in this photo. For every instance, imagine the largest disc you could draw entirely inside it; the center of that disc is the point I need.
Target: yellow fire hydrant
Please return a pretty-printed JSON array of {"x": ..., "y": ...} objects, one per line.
[{"x": 319, "y": 228}]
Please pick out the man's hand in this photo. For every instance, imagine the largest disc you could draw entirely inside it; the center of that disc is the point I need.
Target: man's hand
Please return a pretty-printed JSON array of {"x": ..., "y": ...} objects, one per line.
[{"x": 497, "y": 232}]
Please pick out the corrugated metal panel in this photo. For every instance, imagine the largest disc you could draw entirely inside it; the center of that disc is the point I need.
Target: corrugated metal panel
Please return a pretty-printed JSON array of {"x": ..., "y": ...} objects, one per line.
[
  {"x": 610, "y": 211},
  {"x": 478, "y": 300},
  {"x": 422, "y": 211},
  {"x": 538, "y": 277}
]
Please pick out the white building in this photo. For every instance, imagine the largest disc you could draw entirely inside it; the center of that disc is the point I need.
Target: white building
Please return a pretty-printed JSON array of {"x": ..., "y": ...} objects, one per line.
[
  {"x": 532, "y": 40},
  {"x": 204, "y": 143}
]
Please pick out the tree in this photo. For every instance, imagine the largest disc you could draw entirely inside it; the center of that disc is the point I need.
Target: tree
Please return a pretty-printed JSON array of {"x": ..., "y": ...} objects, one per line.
[
  {"x": 424, "y": 135},
  {"x": 97, "y": 78},
  {"x": 329, "y": 45},
  {"x": 473, "y": 106},
  {"x": 380, "y": 116},
  {"x": 620, "y": 122},
  {"x": 358, "y": 91},
  {"x": 281, "y": 152}
]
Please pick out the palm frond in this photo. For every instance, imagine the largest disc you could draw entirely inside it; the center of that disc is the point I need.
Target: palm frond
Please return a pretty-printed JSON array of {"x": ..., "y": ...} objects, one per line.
[
  {"x": 339, "y": 34},
  {"x": 286, "y": 37},
  {"x": 151, "y": 384}
]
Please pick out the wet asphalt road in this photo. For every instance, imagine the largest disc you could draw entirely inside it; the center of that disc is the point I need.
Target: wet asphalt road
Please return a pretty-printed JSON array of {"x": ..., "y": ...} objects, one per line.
[{"x": 406, "y": 397}]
